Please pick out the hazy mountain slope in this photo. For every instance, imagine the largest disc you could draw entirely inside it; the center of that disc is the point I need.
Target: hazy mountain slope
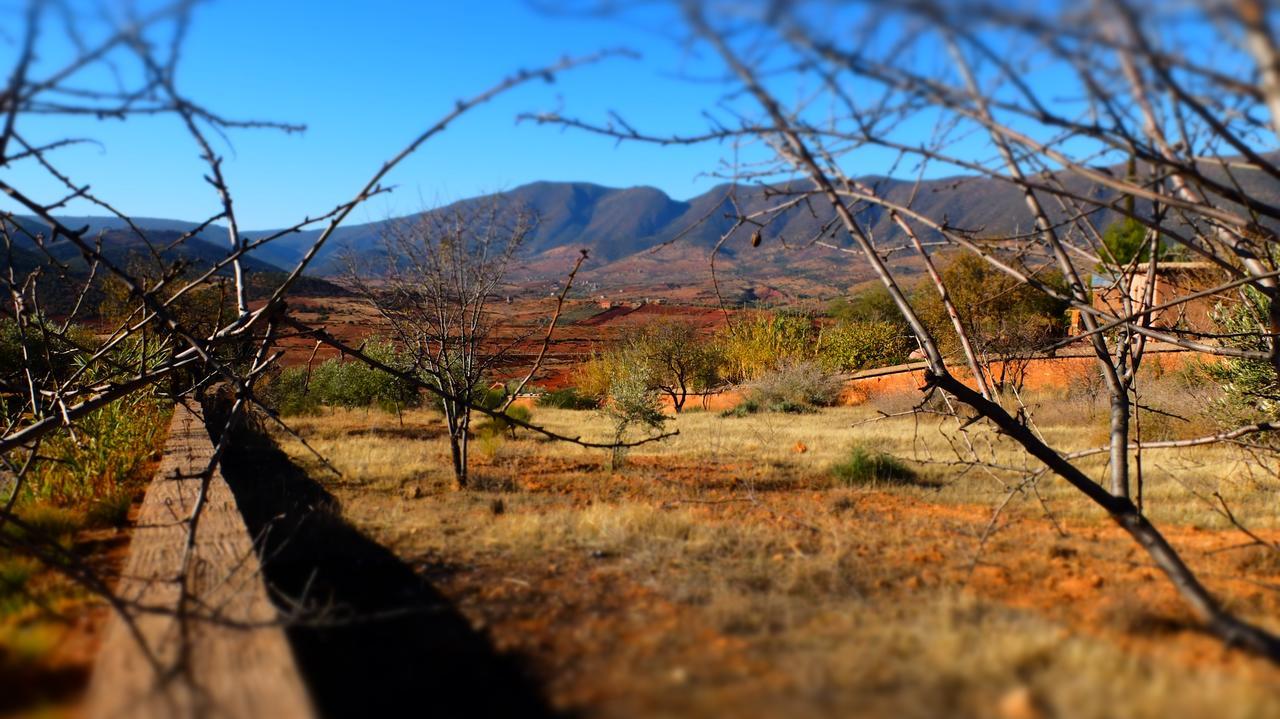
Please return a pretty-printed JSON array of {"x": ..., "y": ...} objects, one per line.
[{"x": 640, "y": 237}]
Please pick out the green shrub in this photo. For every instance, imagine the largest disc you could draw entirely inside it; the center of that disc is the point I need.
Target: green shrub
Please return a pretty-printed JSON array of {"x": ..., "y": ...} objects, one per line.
[
  {"x": 1251, "y": 389},
  {"x": 632, "y": 401},
  {"x": 864, "y": 466},
  {"x": 873, "y": 304},
  {"x": 853, "y": 345},
  {"x": 501, "y": 425},
  {"x": 745, "y": 407},
  {"x": 345, "y": 383},
  {"x": 1001, "y": 315},
  {"x": 567, "y": 398},
  {"x": 289, "y": 394}
]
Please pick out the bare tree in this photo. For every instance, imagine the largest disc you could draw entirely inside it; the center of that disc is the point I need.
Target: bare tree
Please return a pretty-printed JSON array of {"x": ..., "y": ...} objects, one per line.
[
  {"x": 115, "y": 61},
  {"x": 1155, "y": 114},
  {"x": 443, "y": 270}
]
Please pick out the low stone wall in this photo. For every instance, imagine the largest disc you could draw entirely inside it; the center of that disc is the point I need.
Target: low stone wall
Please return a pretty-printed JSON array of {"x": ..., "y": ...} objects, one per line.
[{"x": 223, "y": 652}]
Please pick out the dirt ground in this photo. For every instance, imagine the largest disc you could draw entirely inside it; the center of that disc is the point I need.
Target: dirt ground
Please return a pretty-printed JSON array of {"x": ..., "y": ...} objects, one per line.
[{"x": 725, "y": 572}]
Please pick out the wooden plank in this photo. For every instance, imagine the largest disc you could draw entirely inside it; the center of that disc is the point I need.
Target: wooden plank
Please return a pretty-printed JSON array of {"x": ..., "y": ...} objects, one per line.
[{"x": 228, "y": 657}]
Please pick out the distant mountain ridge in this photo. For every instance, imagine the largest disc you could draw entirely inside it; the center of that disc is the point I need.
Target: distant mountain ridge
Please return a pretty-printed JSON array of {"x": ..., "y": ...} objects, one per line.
[{"x": 640, "y": 237}]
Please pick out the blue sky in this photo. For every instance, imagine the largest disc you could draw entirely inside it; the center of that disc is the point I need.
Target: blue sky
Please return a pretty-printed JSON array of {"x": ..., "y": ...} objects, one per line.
[{"x": 365, "y": 78}]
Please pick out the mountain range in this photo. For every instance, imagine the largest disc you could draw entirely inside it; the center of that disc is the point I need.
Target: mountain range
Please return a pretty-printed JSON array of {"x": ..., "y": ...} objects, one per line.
[{"x": 641, "y": 240}]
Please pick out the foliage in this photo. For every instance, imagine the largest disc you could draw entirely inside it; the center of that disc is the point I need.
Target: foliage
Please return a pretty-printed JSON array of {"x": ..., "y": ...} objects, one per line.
[
  {"x": 341, "y": 383},
  {"x": 870, "y": 305},
  {"x": 503, "y": 425},
  {"x": 38, "y": 346},
  {"x": 108, "y": 449},
  {"x": 1002, "y": 315},
  {"x": 760, "y": 342},
  {"x": 632, "y": 402},
  {"x": 567, "y": 398},
  {"x": 1251, "y": 391},
  {"x": 200, "y": 311},
  {"x": 744, "y": 408},
  {"x": 676, "y": 359},
  {"x": 593, "y": 375},
  {"x": 860, "y": 344},
  {"x": 1125, "y": 241},
  {"x": 864, "y": 466},
  {"x": 796, "y": 387}
]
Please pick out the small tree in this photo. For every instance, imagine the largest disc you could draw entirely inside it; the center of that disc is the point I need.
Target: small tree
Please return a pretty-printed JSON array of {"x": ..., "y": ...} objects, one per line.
[
  {"x": 442, "y": 268},
  {"x": 632, "y": 402},
  {"x": 1125, "y": 241},
  {"x": 1002, "y": 315},
  {"x": 677, "y": 360}
]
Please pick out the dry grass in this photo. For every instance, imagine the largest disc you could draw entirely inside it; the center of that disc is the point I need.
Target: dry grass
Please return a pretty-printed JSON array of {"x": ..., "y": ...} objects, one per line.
[{"x": 724, "y": 572}]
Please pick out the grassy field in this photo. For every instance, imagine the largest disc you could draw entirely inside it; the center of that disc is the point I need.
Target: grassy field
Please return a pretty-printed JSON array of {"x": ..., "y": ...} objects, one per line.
[
  {"x": 81, "y": 495},
  {"x": 730, "y": 571}
]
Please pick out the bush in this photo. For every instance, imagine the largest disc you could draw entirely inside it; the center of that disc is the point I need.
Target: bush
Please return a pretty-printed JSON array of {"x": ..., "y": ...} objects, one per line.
[
  {"x": 864, "y": 466},
  {"x": 1002, "y": 316},
  {"x": 797, "y": 385},
  {"x": 567, "y": 398},
  {"x": 632, "y": 401},
  {"x": 853, "y": 345},
  {"x": 745, "y": 407},
  {"x": 289, "y": 394},
  {"x": 345, "y": 383},
  {"x": 593, "y": 376},
  {"x": 761, "y": 342},
  {"x": 1251, "y": 390},
  {"x": 501, "y": 425},
  {"x": 874, "y": 304}
]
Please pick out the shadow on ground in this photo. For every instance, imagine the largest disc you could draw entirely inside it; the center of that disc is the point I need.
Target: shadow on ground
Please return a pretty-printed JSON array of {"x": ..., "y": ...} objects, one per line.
[{"x": 387, "y": 643}]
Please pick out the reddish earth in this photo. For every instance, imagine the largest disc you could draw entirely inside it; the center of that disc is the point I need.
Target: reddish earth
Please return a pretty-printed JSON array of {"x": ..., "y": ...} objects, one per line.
[{"x": 593, "y": 627}]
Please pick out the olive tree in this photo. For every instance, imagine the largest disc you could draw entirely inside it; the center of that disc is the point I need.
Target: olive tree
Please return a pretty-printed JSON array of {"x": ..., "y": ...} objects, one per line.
[{"x": 678, "y": 361}]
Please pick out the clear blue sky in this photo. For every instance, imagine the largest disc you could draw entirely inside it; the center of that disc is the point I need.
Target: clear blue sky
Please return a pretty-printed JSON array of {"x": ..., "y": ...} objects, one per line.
[{"x": 365, "y": 78}]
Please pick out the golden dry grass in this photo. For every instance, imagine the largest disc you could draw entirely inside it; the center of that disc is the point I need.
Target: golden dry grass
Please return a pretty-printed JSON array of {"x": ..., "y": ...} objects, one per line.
[{"x": 723, "y": 572}]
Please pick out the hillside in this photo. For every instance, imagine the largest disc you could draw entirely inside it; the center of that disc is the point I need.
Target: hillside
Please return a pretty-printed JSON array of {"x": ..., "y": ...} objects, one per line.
[{"x": 642, "y": 241}]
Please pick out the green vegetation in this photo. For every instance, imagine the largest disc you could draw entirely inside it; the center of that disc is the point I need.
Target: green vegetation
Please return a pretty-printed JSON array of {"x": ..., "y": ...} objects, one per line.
[
  {"x": 343, "y": 383},
  {"x": 674, "y": 360},
  {"x": 1002, "y": 316},
  {"x": 867, "y": 467},
  {"x": 870, "y": 305},
  {"x": 632, "y": 402},
  {"x": 567, "y": 398},
  {"x": 106, "y": 454},
  {"x": 1250, "y": 390},
  {"x": 759, "y": 342},
  {"x": 1125, "y": 241},
  {"x": 853, "y": 345}
]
